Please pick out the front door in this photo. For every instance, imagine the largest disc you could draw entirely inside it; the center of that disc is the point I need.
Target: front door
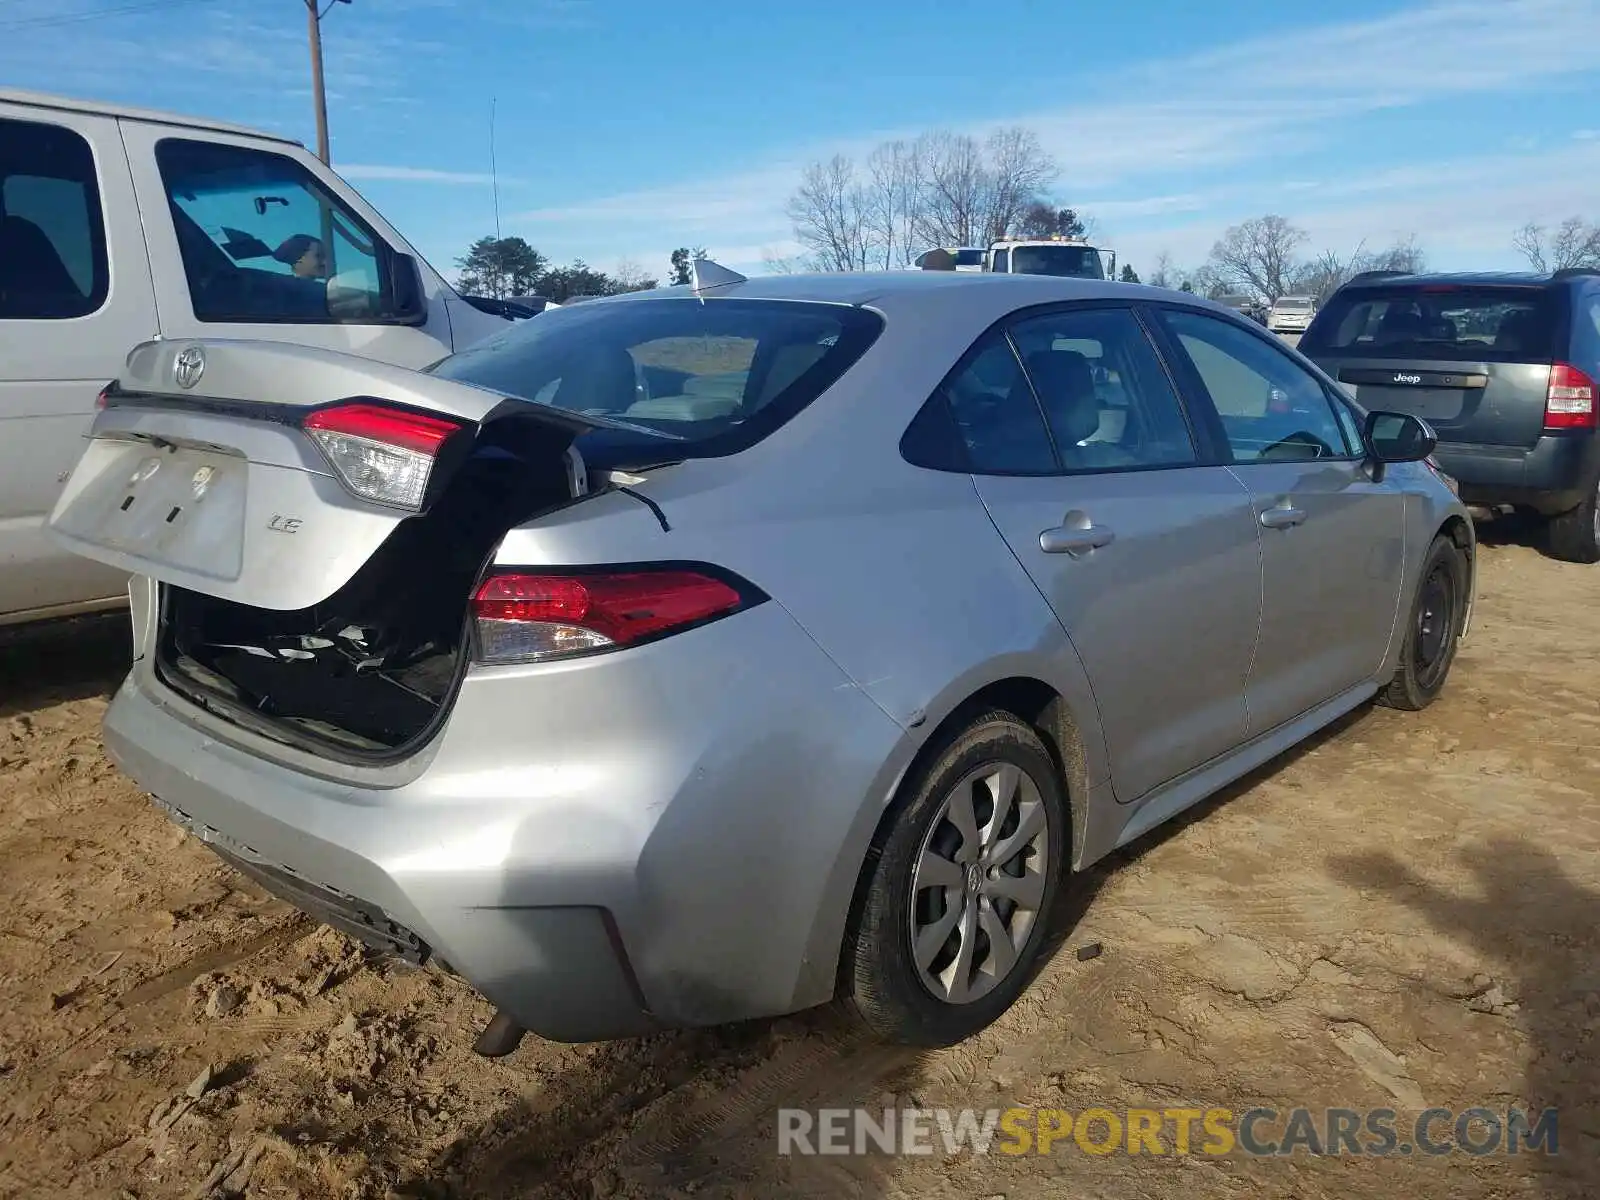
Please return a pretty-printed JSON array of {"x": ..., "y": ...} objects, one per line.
[
  {"x": 1332, "y": 538},
  {"x": 246, "y": 241},
  {"x": 1149, "y": 558}
]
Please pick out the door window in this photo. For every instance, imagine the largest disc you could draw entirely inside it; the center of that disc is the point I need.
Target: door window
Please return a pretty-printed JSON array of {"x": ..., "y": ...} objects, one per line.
[
  {"x": 1271, "y": 408},
  {"x": 996, "y": 414},
  {"x": 263, "y": 241},
  {"x": 1103, "y": 390},
  {"x": 52, "y": 240}
]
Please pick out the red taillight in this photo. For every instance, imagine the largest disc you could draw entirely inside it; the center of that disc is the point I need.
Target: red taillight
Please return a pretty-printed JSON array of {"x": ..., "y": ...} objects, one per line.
[
  {"x": 1570, "y": 400},
  {"x": 380, "y": 453},
  {"x": 532, "y": 616},
  {"x": 105, "y": 394}
]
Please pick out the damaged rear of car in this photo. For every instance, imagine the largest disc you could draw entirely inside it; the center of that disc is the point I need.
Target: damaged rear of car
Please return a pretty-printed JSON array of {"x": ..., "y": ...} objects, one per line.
[{"x": 345, "y": 687}]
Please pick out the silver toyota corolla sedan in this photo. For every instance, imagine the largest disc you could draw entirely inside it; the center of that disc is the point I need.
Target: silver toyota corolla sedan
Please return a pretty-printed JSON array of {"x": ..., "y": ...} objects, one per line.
[{"x": 708, "y": 653}]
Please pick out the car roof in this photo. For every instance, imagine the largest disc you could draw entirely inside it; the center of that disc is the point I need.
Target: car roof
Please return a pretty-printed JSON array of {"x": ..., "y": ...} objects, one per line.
[
  {"x": 129, "y": 113},
  {"x": 906, "y": 291},
  {"x": 1512, "y": 278}
]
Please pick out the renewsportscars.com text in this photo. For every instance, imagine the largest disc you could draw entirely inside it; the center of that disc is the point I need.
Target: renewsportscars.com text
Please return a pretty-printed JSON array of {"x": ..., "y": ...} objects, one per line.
[{"x": 1256, "y": 1132}]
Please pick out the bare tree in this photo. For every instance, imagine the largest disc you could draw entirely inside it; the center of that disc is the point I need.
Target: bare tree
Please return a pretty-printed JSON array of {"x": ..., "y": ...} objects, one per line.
[
  {"x": 1258, "y": 256},
  {"x": 944, "y": 189},
  {"x": 779, "y": 264},
  {"x": 829, "y": 211},
  {"x": 1330, "y": 270},
  {"x": 953, "y": 202},
  {"x": 1163, "y": 274},
  {"x": 894, "y": 203},
  {"x": 631, "y": 277},
  {"x": 1573, "y": 243},
  {"x": 1017, "y": 172}
]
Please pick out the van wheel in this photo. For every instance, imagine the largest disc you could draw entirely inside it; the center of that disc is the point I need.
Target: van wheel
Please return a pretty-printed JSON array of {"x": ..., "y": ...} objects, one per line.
[
  {"x": 1434, "y": 630},
  {"x": 957, "y": 889},
  {"x": 1575, "y": 535}
]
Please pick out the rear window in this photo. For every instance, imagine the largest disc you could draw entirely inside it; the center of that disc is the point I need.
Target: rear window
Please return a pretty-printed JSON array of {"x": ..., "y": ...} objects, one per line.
[
  {"x": 1079, "y": 262},
  {"x": 691, "y": 378},
  {"x": 969, "y": 258},
  {"x": 1484, "y": 324}
]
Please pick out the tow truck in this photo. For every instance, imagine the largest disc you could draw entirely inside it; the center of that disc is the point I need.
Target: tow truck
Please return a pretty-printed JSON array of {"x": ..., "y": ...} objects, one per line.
[{"x": 1054, "y": 255}]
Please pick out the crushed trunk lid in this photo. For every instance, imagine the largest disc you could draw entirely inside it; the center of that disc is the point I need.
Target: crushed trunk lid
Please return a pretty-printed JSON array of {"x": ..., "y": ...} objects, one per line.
[{"x": 200, "y": 472}]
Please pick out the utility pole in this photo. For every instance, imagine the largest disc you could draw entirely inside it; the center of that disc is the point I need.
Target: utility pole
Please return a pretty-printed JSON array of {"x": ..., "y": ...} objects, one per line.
[{"x": 319, "y": 94}]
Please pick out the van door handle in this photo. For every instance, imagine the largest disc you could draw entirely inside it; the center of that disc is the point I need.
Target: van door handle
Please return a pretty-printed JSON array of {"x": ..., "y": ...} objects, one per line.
[
  {"x": 1075, "y": 538},
  {"x": 1282, "y": 516}
]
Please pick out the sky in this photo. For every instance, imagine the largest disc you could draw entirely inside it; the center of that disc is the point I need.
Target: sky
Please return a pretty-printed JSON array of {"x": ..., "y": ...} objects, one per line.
[{"x": 624, "y": 128}]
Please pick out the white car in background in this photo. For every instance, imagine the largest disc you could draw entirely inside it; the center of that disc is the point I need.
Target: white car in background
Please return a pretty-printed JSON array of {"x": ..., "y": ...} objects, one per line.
[{"x": 1291, "y": 314}]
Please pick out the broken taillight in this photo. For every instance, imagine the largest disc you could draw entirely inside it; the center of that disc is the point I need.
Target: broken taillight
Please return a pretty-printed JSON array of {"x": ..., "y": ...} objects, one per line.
[
  {"x": 380, "y": 453},
  {"x": 532, "y": 616},
  {"x": 1570, "y": 399}
]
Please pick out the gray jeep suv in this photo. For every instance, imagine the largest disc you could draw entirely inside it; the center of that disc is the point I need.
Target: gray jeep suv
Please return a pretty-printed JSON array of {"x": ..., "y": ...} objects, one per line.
[{"x": 1504, "y": 368}]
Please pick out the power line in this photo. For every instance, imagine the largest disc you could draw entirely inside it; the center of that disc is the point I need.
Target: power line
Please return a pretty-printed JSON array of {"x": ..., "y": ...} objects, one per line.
[{"x": 77, "y": 18}]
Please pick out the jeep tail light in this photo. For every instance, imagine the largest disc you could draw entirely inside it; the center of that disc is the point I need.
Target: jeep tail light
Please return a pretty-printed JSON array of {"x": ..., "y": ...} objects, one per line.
[
  {"x": 532, "y": 616},
  {"x": 1570, "y": 401},
  {"x": 381, "y": 454}
]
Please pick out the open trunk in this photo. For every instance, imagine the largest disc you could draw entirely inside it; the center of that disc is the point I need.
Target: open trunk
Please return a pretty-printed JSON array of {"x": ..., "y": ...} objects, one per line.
[
  {"x": 373, "y": 667},
  {"x": 297, "y": 597}
]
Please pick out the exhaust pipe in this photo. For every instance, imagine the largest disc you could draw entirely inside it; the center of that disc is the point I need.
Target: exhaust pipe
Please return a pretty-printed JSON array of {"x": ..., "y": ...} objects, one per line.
[{"x": 500, "y": 1037}]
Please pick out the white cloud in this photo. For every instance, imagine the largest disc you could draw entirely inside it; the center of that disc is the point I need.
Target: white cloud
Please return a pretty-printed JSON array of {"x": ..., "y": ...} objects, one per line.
[
  {"x": 1180, "y": 119},
  {"x": 1463, "y": 212}
]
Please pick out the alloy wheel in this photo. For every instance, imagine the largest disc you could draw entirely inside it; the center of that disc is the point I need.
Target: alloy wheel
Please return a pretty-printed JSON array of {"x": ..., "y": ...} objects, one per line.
[{"x": 979, "y": 882}]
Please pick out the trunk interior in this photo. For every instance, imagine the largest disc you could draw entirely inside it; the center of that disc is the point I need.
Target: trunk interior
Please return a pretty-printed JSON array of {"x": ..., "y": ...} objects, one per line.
[{"x": 372, "y": 669}]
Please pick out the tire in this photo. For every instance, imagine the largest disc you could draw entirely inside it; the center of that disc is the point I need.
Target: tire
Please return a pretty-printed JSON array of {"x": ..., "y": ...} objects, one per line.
[
  {"x": 896, "y": 998},
  {"x": 1433, "y": 629},
  {"x": 1575, "y": 535}
]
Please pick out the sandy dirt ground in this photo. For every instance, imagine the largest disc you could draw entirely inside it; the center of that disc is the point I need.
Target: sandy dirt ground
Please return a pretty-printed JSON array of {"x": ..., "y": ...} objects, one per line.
[{"x": 1403, "y": 913}]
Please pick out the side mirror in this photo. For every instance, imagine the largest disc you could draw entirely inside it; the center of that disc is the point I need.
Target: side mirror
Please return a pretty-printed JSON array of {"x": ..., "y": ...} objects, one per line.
[
  {"x": 1393, "y": 437},
  {"x": 408, "y": 304}
]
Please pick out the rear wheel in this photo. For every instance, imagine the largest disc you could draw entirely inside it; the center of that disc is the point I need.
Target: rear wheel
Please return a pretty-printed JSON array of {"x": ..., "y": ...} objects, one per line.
[
  {"x": 1575, "y": 535},
  {"x": 1438, "y": 612},
  {"x": 953, "y": 915}
]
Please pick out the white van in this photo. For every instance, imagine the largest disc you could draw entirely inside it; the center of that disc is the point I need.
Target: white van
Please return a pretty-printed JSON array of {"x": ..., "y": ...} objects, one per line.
[{"x": 118, "y": 226}]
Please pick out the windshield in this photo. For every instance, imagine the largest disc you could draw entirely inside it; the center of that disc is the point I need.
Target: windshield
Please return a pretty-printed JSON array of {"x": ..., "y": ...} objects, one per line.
[
  {"x": 1081, "y": 262},
  {"x": 1484, "y": 324},
  {"x": 689, "y": 377},
  {"x": 1293, "y": 303},
  {"x": 969, "y": 258}
]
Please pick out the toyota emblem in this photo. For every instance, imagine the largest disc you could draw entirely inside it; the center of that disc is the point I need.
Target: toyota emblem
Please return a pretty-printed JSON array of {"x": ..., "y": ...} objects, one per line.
[{"x": 188, "y": 366}]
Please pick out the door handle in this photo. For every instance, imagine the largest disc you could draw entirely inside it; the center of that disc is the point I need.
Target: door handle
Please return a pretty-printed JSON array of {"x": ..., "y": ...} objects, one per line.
[
  {"x": 1075, "y": 539},
  {"x": 1282, "y": 516}
]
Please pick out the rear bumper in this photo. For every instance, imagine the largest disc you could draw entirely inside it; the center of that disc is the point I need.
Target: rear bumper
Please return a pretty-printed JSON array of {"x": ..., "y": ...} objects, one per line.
[
  {"x": 1554, "y": 475},
  {"x": 673, "y": 842}
]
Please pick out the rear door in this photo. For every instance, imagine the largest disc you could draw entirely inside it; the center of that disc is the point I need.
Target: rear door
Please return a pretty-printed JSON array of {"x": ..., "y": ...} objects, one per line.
[
  {"x": 1148, "y": 554},
  {"x": 74, "y": 298},
  {"x": 247, "y": 241},
  {"x": 1332, "y": 538},
  {"x": 1472, "y": 360}
]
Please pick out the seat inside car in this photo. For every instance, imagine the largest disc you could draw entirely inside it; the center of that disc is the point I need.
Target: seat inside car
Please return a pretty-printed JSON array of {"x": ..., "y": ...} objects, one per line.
[
  {"x": 1516, "y": 330},
  {"x": 1065, "y": 383},
  {"x": 33, "y": 279}
]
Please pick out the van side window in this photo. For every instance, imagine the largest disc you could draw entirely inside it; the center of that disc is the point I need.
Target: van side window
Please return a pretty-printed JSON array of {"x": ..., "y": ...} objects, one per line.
[
  {"x": 52, "y": 238},
  {"x": 263, "y": 242}
]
